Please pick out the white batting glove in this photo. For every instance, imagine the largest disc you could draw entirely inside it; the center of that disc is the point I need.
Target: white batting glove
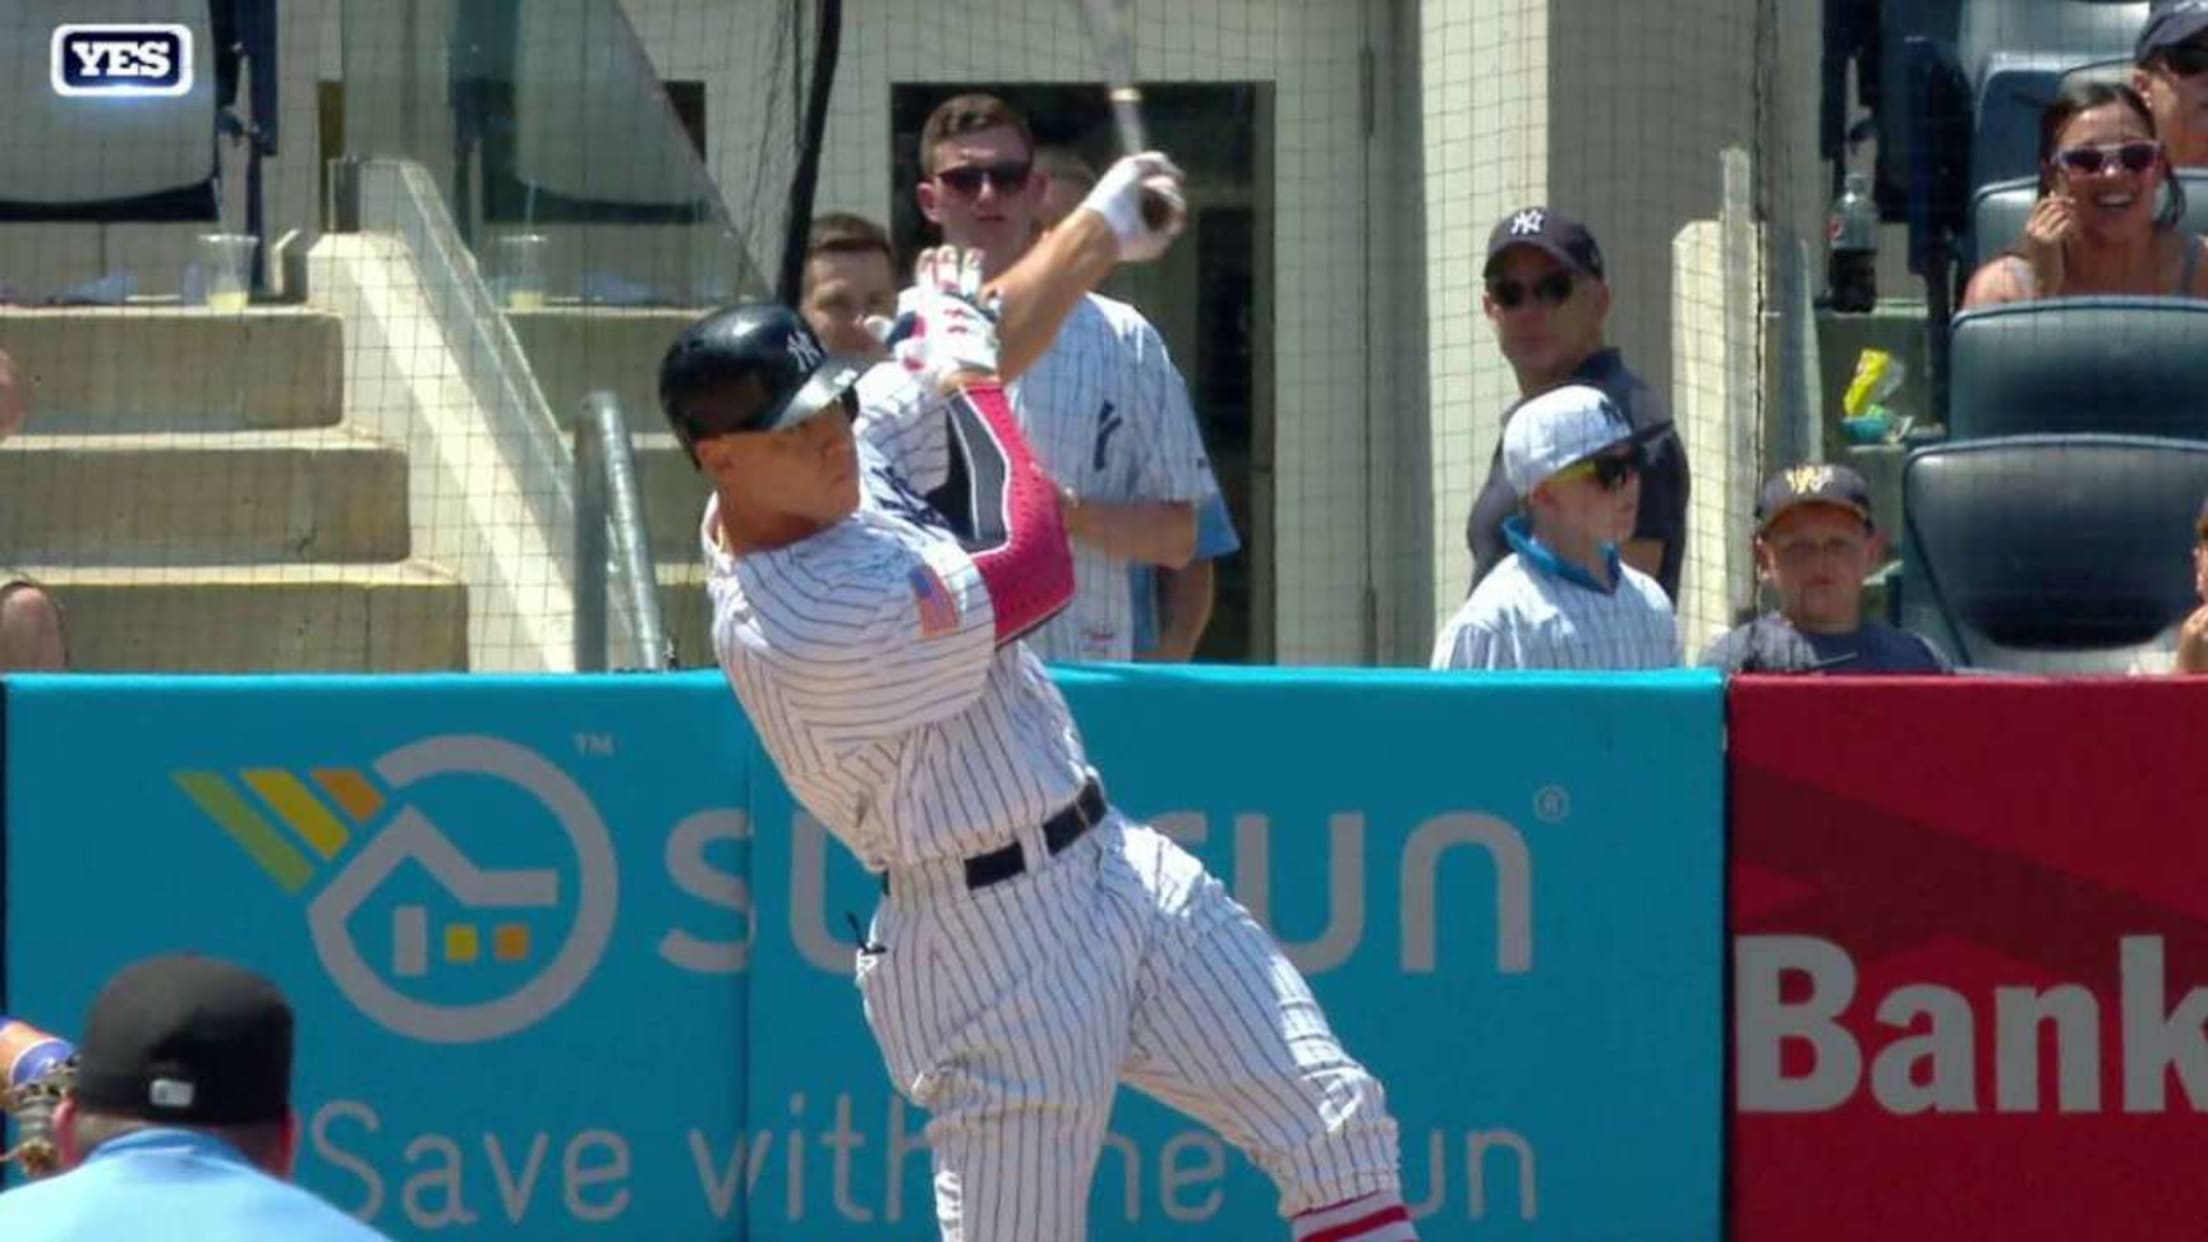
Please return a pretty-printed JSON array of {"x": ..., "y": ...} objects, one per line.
[
  {"x": 1119, "y": 197},
  {"x": 941, "y": 329}
]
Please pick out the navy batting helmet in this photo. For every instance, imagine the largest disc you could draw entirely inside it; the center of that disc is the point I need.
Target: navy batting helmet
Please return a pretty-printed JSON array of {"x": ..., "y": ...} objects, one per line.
[{"x": 754, "y": 367}]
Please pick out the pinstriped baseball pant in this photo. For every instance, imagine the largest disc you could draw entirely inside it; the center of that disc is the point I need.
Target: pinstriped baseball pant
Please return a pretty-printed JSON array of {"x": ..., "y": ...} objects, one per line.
[{"x": 1012, "y": 1013}]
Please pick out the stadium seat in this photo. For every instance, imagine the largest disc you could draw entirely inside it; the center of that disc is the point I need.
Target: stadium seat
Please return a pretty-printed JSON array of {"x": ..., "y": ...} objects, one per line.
[
  {"x": 2015, "y": 54},
  {"x": 2052, "y": 553},
  {"x": 2125, "y": 366},
  {"x": 1998, "y": 212},
  {"x": 104, "y": 160}
]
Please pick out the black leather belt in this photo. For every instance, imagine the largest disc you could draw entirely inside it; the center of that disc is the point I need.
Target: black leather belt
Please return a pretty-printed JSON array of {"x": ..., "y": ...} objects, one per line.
[{"x": 1086, "y": 811}]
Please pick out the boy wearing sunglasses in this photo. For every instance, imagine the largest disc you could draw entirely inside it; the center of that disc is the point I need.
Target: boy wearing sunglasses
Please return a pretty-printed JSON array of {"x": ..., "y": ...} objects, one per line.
[
  {"x": 2171, "y": 61},
  {"x": 1105, "y": 411},
  {"x": 1547, "y": 298},
  {"x": 1815, "y": 543},
  {"x": 1565, "y": 598}
]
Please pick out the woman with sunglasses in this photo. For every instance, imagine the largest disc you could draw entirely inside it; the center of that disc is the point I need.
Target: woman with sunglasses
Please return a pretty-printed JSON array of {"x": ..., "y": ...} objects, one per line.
[{"x": 2103, "y": 224}]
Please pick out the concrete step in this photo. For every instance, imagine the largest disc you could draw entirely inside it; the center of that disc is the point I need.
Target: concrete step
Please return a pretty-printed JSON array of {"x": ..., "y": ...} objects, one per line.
[
  {"x": 407, "y": 616},
  {"x": 97, "y": 370},
  {"x": 226, "y": 497}
]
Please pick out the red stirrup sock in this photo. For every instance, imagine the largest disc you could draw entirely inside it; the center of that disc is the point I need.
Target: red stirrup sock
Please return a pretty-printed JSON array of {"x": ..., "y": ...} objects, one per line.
[{"x": 1378, "y": 1217}]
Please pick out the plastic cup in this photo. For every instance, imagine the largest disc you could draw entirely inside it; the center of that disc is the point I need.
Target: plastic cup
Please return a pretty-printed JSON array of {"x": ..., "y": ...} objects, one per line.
[
  {"x": 519, "y": 261},
  {"x": 226, "y": 262}
]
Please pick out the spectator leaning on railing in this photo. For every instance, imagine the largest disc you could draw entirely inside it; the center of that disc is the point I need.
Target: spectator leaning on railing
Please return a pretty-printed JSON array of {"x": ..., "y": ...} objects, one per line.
[
  {"x": 30, "y": 620},
  {"x": 2171, "y": 73},
  {"x": 1815, "y": 542},
  {"x": 2102, "y": 224},
  {"x": 1565, "y": 598}
]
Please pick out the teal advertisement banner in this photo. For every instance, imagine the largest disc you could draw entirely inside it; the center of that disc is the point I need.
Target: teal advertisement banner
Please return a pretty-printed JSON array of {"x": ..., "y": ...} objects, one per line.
[{"x": 568, "y": 960}]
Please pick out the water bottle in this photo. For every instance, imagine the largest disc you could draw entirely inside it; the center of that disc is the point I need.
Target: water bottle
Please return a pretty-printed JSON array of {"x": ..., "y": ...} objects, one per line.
[{"x": 1852, "y": 230}]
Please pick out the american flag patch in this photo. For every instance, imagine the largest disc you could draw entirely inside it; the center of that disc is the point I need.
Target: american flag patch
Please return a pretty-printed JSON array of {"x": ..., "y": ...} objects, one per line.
[{"x": 938, "y": 608}]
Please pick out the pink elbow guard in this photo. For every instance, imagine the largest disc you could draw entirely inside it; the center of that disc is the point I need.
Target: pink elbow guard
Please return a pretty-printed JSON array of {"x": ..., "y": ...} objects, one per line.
[{"x": 1005, "y": 511}]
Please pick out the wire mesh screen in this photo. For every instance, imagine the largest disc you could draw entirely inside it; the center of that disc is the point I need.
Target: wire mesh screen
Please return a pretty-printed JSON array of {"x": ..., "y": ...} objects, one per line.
[{"x": 303, "y": 340}]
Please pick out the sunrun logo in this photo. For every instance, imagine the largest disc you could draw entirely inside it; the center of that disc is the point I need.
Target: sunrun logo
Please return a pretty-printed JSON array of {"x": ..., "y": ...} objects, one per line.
[{"x": 122, "y": 60}]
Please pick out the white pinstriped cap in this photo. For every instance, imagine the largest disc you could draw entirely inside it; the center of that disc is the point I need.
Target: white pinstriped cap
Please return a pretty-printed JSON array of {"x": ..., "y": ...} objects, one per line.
[{"x": 1557, "y": 428}]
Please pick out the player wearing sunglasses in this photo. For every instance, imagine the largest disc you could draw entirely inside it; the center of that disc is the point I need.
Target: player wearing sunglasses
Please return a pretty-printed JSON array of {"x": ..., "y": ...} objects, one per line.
[
  {"x": 2106, "y": 221},
  {"x": 1547, "y": 298},
  {"x": 1564, "y": 598},
  {"x": 2171, "y": 74}
]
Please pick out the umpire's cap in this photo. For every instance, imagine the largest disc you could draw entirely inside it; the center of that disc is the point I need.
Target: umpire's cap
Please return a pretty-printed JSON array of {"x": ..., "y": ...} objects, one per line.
[
  {"x": 754, "y": 367},
  {"x": 189, "y": 1040}
]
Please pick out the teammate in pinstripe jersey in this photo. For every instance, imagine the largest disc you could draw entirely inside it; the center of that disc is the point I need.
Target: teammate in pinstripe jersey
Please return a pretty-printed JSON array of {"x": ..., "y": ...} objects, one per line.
[
  {"x": 872, "y": 576},
  {"x": 1564, "y": 598},
  {"x": 1105, "y": 411}
]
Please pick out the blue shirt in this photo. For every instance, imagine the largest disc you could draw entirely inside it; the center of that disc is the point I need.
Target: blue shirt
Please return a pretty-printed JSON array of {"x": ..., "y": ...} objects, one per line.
[
  {"x": 171, "y": 1186},
  {"x": 1215, "y": 537},
  {"x": 1770, "y": 644}
]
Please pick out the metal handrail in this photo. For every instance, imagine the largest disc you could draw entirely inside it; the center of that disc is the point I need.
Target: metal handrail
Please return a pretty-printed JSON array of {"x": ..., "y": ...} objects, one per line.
[{"x": 609, "y": 518}]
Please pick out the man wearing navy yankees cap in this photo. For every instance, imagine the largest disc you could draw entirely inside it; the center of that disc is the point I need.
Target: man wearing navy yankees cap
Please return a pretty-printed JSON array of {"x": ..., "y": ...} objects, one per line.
[
  {"x": 2170, "y": 71},
  {"x": 1547, "y": 297},
  {"x": 178, "y": 1123},
  {"x": 1815, "y": 543}
]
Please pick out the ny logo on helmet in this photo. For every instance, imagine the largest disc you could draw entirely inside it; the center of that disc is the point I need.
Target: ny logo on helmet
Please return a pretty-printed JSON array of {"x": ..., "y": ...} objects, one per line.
[
  {"x": 805, "y": 350},
  {"x": 1527, "y": 223}
]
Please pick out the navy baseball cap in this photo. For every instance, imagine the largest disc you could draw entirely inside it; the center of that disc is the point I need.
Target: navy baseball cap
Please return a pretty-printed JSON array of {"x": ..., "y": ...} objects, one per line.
[
  {"x": 1564, "y": 239},
  {"x": 2169, "y": 23},
  {"x": 1813, "y": 483},
  {"x": 188, "y": 1040}
]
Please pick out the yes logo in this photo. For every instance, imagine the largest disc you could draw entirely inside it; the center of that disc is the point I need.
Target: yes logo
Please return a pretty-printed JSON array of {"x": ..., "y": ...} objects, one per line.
[
  {"x": 113, "y": 59},
  {"x": 419, "y": 934}
]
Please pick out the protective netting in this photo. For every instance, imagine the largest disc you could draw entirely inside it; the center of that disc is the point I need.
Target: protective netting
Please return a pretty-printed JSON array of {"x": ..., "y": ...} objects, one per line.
[{"x": 474, "y": 214}]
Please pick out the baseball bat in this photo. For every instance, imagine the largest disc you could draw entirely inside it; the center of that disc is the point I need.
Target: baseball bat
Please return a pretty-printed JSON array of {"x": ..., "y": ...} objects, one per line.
[{"x": 1115, "y": 52}]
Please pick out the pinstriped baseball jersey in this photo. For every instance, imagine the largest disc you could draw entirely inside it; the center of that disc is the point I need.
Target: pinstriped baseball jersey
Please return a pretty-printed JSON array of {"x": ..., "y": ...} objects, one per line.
[
  {"x": 1107, "y": 415},
  {"x": 1521, "y": 617},
  {"x": 865, "y": 657}
]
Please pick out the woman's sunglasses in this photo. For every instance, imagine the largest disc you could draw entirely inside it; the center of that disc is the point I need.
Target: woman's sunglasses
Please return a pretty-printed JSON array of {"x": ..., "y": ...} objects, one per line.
[
  {"x": 2135, "y": 157},
  {"x": 1609, "y": 471},
  {"x": 1554, "y": 289},
  {"x": 1009, "y": 178}
]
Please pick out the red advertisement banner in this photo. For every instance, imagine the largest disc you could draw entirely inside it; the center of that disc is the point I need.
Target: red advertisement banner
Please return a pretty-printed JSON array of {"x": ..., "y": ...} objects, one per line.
[{"x": 1970, "y": 935}]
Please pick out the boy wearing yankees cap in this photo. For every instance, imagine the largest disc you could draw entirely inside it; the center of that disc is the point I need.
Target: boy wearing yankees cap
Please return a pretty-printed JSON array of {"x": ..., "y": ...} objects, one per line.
[
  {"x": 178, "y": 1122},
  {"x": 1564, "y": 598}
]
